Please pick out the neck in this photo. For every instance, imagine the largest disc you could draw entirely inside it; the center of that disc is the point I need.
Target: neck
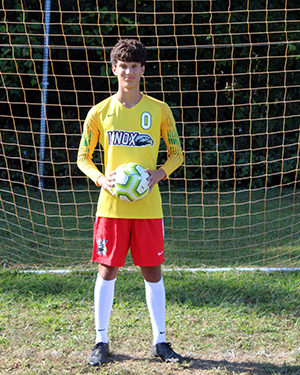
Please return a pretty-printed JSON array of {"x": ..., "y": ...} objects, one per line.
[{"x": 129, "y": 98}]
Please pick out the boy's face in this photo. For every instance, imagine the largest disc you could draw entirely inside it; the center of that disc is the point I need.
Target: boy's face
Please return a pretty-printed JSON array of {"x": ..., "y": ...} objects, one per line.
[{"x": 128, "y": 73}]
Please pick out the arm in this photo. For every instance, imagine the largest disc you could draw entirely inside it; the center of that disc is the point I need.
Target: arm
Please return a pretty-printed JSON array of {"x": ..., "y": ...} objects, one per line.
[
  {"x": 89, "y": 140},
  {"x": 171, "y": 138}
]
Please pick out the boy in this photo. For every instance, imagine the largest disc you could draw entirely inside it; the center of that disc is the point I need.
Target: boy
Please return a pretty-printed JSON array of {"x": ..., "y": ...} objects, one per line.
[{"x": 122, "y": 225}]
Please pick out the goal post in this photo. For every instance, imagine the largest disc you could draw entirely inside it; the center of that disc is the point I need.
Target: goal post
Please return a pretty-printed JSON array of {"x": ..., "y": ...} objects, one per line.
[{"x": 230, "y": 74}]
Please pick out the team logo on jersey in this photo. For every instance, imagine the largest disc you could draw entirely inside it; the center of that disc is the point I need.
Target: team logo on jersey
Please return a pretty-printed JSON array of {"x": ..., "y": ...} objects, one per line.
[
  {"x": 131, "y": 139},
  {"x": 101, "y": 248}
]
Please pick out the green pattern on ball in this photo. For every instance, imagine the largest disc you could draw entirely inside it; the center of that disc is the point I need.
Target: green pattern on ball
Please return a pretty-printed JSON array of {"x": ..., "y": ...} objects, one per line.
[
  {"x": 128, "y": 191},
  {"x": 124, "y": 194}
]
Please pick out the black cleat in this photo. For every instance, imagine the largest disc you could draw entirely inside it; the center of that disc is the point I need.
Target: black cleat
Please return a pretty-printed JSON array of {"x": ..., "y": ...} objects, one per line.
[
  {"x": 166, "y": 353},
  {"x": 99, "y": 354}
]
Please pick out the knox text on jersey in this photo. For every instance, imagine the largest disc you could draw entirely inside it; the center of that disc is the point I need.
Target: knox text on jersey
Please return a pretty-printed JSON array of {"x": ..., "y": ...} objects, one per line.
[{"x": 131, "y": 139}]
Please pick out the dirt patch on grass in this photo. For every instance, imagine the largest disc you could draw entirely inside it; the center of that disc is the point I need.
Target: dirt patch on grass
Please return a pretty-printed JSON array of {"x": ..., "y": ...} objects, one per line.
[
  {"x": 209, "y": 363},
  {"x": 73, "y": 362}
]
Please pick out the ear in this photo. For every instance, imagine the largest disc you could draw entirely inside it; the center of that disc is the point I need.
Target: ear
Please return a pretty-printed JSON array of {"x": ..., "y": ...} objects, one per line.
[
  {"x": 143, "y": 69},
  {"x": 114, "y": 69}
]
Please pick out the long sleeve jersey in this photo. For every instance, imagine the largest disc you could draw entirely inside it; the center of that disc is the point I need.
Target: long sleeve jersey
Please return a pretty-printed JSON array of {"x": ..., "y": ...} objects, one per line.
[{"x": 129, "y": 135}]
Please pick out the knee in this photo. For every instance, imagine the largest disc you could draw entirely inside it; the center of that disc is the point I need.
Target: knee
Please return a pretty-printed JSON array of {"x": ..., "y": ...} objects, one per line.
[
  {"x": 151, "y": 274},
  {"x": 108, "y": 272}
]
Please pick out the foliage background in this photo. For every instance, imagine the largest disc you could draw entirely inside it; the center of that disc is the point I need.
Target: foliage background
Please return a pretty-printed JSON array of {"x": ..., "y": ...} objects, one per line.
[{"x": 229, "y": 73}]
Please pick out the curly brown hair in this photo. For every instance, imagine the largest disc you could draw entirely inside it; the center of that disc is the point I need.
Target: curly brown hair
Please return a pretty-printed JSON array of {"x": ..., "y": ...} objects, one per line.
[{"x": 128, "y": 50}]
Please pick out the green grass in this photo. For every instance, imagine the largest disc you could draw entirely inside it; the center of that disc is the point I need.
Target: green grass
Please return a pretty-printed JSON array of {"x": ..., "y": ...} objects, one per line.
[
  {"x": 214, "y": 229},
  {"x": 222, "y": 323}
]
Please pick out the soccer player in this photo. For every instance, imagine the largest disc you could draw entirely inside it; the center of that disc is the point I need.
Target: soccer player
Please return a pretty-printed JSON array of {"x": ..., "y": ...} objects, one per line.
[{"x": 129, "y": 126}]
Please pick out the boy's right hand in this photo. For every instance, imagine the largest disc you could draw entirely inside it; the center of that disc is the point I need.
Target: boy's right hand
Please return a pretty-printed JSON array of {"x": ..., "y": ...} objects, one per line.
[{"x": 107, "y": 182}]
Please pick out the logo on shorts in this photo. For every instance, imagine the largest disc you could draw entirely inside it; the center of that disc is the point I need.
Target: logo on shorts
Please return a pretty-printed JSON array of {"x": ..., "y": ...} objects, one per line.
[{"x": 101, "y": 248}]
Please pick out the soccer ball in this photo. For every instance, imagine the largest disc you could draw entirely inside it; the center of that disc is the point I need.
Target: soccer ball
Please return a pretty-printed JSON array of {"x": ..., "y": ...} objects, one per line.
[{"x": 130, "y": 182}]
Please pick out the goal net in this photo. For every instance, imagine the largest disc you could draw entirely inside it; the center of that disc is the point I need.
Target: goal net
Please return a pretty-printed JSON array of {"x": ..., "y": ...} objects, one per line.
[{"x": 230, "y": 71}]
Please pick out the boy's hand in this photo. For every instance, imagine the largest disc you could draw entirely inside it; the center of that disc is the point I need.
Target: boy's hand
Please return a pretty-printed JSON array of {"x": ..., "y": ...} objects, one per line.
[
  {"x": 107, "y": 182},
  {"x": 155, "y": 177}
]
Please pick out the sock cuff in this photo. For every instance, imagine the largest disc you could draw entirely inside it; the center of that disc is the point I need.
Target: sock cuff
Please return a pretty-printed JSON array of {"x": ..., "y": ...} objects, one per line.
[
  {"x": 155, "y": 286},
  {"x": 103, "y": 281}
]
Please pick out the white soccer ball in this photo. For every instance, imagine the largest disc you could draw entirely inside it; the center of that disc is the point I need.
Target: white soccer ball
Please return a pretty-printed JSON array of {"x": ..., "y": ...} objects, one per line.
[{"x": 130, "y": 182}]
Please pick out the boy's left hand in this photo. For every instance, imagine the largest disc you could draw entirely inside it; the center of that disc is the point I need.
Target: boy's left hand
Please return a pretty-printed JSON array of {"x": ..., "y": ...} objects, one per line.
[{"x": 155, "y": 177}]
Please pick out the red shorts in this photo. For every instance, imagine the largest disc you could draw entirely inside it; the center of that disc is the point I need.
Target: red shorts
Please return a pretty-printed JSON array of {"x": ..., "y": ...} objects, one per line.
[{"x": 113, "y": 238}]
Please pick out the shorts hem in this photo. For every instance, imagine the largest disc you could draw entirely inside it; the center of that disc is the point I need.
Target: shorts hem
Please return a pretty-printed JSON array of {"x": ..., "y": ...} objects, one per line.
[
  {"x": 137, "y": 264},
  {"x": 101, "y": 261}
]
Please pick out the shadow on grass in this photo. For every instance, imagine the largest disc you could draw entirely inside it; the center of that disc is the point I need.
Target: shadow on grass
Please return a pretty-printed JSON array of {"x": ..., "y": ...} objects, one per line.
[
  {"x": 235, "y": 367},
  {"x": 245, "y": 367}
]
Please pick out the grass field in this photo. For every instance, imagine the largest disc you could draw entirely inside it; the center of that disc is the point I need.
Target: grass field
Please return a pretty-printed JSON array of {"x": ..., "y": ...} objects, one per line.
[
  {"x": 222, "y": 323},
  {"x": 210, "y": 229}
]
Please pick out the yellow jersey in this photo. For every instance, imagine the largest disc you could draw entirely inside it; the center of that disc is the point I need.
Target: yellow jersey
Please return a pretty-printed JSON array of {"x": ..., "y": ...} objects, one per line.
[{"x": 129, "y": 135}]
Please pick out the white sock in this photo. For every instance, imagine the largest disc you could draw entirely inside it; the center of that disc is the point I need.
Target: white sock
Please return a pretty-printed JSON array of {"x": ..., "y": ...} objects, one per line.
[
  {"x": 103, "y": 301},
  {"x": 156, "y": 302}
]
